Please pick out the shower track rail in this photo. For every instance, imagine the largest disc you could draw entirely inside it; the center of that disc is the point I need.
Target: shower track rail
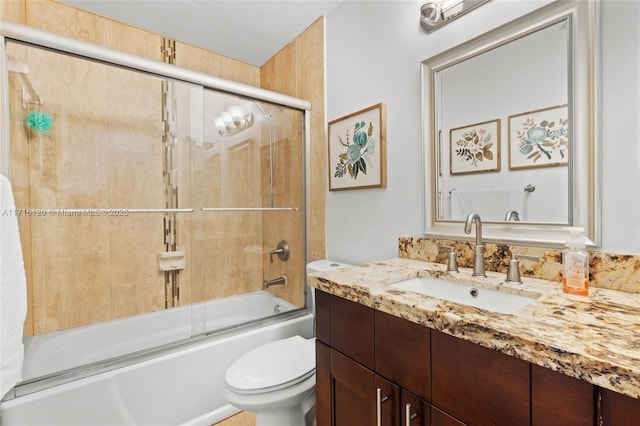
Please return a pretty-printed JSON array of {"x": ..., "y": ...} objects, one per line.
[
  {"x": 249, "y": 209},
  {"x": 125, "y": 212}
]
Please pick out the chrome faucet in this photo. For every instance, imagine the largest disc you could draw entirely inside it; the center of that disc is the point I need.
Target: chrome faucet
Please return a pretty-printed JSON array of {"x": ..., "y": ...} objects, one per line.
[
  {"x": 512, "y": 215},
  {"x": 478, "y": 258},
  {"x": 280, "y": 280}
]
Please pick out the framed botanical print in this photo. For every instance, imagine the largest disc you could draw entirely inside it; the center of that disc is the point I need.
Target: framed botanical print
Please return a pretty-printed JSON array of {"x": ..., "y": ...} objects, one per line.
[
  {"x": 539, "y": 138},
  {"x": 475, "y": 148},
  {"x": 357, "y": 150}
]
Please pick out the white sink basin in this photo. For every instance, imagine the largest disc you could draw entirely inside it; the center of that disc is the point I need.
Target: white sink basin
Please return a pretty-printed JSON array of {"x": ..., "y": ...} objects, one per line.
[{"x": 466, "y": 294}]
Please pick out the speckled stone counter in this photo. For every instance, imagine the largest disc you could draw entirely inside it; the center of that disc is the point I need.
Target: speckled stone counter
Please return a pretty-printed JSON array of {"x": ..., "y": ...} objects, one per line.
[{"x": 594, "y": 338}]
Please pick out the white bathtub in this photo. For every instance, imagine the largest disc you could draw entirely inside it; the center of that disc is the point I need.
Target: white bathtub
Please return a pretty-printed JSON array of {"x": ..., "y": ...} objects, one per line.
[{"x": 180, "y": 387}]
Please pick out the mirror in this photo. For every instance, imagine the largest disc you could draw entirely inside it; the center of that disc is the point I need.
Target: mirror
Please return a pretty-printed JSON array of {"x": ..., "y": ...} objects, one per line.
[{"x": 510, "y": 130}]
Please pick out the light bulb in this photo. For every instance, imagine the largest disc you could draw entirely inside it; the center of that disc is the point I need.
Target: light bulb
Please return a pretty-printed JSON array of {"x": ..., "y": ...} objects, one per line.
[
  {"x": 236, "y": 115},
  {"x": 219, "y": 122},
  {"x": 228, "y": 121}
]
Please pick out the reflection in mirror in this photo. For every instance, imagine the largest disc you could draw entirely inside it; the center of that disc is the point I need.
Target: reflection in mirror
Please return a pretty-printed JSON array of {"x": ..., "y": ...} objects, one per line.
[
  {"x": 510, "y": 129},
  {"x": 517, "y": 94}
]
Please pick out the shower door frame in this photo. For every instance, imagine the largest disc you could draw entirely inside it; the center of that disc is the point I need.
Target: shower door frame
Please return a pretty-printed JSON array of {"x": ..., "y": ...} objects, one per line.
[{"x": 14, "y": 32}]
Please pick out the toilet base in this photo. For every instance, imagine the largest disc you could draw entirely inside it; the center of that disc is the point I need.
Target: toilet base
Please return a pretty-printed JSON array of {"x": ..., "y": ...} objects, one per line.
[{"x": 299, "y": 415}]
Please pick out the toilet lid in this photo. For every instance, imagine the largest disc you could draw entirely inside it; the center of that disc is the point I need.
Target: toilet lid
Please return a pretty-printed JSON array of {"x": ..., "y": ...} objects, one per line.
[{"x": 273, "y": 366}]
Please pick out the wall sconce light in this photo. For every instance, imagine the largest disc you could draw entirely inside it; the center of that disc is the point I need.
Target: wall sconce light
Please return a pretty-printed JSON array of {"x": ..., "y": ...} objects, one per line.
[
  {"x": 232, "y": 121},
  {"x": 436, "y": 13}
]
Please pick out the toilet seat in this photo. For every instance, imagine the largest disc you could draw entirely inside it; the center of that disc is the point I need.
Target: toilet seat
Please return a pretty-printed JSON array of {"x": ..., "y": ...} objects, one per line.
[{"x": 271, "y": 367}]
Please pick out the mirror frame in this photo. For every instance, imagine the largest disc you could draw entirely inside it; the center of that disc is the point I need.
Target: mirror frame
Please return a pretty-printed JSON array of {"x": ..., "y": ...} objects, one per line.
[{"x": 584, "y": 104}]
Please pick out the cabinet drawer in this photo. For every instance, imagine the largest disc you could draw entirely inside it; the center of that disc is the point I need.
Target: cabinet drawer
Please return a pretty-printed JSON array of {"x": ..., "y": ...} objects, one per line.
[
  {"x": 351, "y": 330},
  {"x": 560, "y": 399},
  {"x": 402, "y": 353},
  {"x": 618, "y": 409},
  {"x": 472, "y": 382}
]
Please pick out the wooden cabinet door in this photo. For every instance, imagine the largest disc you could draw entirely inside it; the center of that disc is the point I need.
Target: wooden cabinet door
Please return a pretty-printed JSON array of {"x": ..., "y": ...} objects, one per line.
[
  {"x": 323, "y": 384},
  {"x": 414, "y": 411},
  {"x": 557, "y": 399},
  {"x": 352, "y": 330},
  {"x": 359, "y": 397},
  {"x": 477, "y": 385},
  {"x": 402, "y": 353},
  {"x": 352, "y": 393},
  {"x": 618, "y": 409}
]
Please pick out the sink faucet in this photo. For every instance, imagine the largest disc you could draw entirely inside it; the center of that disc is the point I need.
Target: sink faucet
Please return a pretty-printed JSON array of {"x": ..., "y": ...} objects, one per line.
[{"x": 478, "y": 258}]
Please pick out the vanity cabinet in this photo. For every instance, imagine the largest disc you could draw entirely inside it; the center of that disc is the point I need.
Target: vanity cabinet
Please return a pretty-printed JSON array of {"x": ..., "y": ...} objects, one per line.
[
  {"x": 370, "y": 362},
  {"x": 356, "y": 395},
  {"x": 368, "y": 359}
]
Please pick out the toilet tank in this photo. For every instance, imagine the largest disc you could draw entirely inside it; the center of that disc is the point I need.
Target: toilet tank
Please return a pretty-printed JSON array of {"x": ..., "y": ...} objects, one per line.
[
  {"x": 324, "y": 265},
  {"x": 319, "y": 266}
]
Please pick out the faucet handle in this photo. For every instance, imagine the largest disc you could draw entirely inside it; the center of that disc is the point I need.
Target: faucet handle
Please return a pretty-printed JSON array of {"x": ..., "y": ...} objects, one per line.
[
  {"x": 452, "y": 262},
  {"x": 282, "y": 250},
  {"x": 513, "y": 274}
]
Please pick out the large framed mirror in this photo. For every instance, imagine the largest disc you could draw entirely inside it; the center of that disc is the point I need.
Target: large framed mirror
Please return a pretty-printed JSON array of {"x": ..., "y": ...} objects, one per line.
[{"x": 511, "y": 130}]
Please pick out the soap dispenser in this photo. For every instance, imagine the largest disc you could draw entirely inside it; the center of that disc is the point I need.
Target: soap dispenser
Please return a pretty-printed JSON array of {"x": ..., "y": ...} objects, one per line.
[{"x": 575, "y": 264}]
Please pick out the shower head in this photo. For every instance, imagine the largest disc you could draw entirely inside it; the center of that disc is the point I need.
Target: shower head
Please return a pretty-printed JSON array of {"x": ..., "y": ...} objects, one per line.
[{"x": 268, "y": 115}]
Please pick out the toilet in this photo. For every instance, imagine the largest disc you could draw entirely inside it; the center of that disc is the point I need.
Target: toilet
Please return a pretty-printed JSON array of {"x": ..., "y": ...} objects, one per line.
[{"x": 277, "y": 380}]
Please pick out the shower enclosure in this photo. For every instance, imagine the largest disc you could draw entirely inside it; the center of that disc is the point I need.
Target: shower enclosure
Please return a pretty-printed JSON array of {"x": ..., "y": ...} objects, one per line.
[{"x": 142, "y": 187}]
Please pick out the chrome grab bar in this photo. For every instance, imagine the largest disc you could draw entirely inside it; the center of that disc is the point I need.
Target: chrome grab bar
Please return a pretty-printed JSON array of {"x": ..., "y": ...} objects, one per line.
[
  {"x": 94, "y": 211},
  {"x": 190, "y": 210},
  {"x": 248, "y": 209},
  {"x": 124, "y": 211}
]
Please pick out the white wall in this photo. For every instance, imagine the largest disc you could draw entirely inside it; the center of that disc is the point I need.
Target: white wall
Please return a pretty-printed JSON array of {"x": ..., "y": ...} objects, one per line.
[{"x": 373, "y": 54}]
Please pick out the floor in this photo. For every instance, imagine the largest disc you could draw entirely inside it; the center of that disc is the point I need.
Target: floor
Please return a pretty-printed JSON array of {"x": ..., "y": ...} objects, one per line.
[{"x": 240, "y": 419}]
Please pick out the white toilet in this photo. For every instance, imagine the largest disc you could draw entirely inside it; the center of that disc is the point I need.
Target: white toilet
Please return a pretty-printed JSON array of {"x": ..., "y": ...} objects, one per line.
[{"x": 277, "y": 380}]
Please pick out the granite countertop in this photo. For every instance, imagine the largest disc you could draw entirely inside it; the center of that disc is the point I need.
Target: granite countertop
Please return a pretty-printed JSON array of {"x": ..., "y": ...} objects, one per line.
[{"x": 595, "y": 338}]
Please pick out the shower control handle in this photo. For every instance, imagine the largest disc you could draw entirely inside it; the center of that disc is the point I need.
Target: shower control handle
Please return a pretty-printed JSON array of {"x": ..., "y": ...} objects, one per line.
[{"x": 282, "y": 250}]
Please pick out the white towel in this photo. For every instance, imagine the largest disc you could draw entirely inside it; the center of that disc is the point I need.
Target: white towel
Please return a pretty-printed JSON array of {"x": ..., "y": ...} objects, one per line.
[
  {"x": 491, "y": 204},
  {"x": 13, "y": 292}
]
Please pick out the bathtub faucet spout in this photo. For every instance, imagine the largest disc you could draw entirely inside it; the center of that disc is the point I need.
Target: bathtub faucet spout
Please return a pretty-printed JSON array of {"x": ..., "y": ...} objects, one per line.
[{"x": 276, "y": 281}]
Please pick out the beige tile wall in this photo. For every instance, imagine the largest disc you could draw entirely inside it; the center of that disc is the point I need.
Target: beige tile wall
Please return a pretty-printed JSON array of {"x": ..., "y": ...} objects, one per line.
[{"x": 298, "y": 70}]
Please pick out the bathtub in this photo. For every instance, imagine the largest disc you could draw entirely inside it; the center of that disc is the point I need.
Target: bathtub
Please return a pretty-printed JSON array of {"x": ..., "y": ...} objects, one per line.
[{"x": 179, "y": 386}]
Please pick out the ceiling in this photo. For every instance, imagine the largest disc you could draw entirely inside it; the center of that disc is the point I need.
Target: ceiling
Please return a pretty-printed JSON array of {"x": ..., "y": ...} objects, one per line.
[{"x": 250, "y": 31}]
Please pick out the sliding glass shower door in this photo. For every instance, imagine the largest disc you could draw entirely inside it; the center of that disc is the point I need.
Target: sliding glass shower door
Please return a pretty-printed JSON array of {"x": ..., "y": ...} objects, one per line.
[{"x": 139, "y": 194}]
